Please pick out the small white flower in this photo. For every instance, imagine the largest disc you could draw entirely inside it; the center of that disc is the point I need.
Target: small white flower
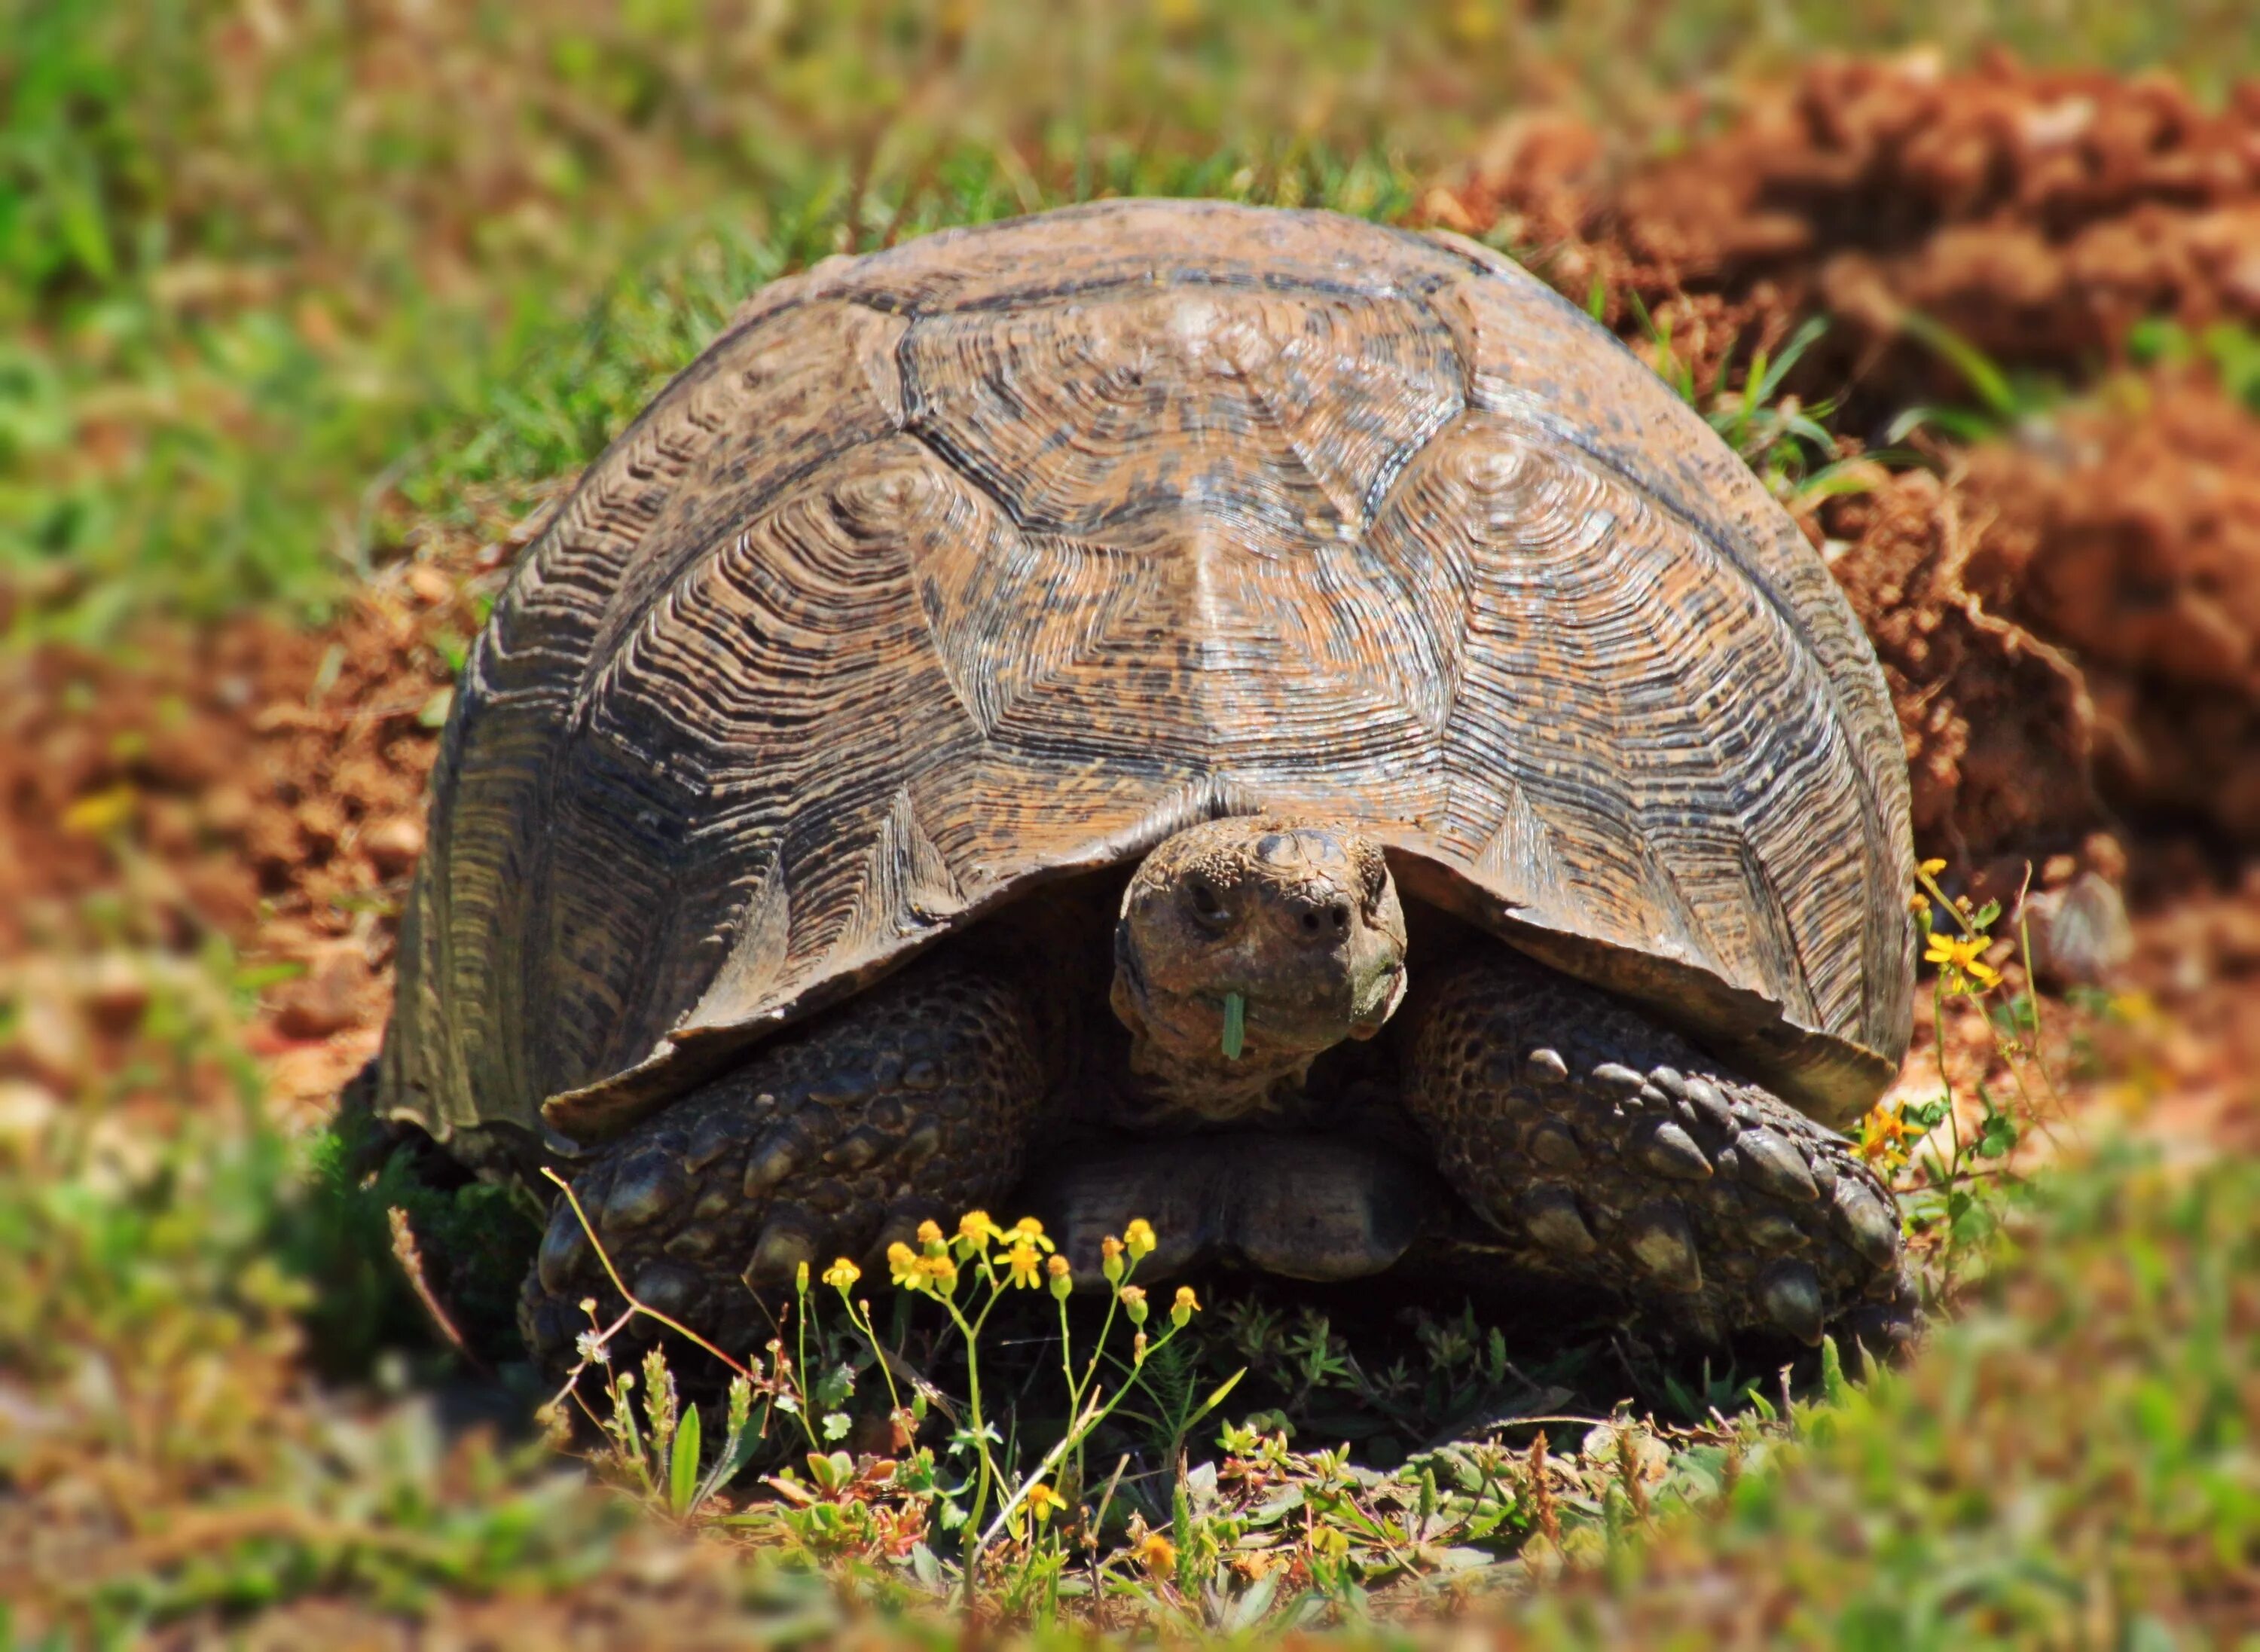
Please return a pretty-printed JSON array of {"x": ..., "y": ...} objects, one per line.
[{"x": 592, "y": 1348}]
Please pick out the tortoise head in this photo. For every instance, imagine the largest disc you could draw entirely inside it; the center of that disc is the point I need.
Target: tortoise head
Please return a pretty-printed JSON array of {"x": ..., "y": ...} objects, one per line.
[{"x": 1248, "y": 945}]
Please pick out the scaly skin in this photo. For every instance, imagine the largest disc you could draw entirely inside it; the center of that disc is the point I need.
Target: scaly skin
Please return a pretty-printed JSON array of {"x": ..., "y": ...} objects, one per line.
[
  {"x": 914, "y": 1100},
  {"x": 1622, "y": 1156}
]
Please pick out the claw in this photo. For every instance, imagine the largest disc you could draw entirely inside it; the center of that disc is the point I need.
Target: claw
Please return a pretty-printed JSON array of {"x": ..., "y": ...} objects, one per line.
[
  {"x": 1790, "y": 1295},
  {"x": 1619, "y": 1077},
  {"x": 1658, "y": 1237},
  {"x": 1704, "y": 1097},
  {"x": 718, "y": 1133},
  {"x": 1771, "y": 1228},
  {"x": 1668, "y": 1150},
  {"x": 921, "y": 1144},
  {"x": 648, "y": 1185},
  {"x": 1872, "y": 1227},
  {"x": 1553, "y": 1146},
  {"x": 564, "y": 1247},
  {"x": 1774, "y": 1166},
  {"x": 788, "y": 1240},
  {"x": 671, "y": 1289},
  {"x": 774, "y": 1157},
  {"x": 857, "y": 1149},
  {"x": 1553, "y": 1218}
]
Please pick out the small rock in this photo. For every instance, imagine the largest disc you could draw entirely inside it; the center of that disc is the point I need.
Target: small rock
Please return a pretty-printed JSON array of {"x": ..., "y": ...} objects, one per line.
[
  {"x": 2080, "y": 935},
  {"x": 394, "y": 845}
]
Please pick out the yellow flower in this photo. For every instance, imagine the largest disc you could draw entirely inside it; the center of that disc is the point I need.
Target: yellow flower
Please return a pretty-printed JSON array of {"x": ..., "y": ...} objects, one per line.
[
  {"x": 842, "y": 1274},
  {"x": 1062, "y": 1281},
  {"x": 1042, "y": 1501},
  {"x": 1138, "y": 1239},
  {"x": 1134, "y": 1303},
  {"x": 1110, "y": 1259},
  {"x": 1932, "y": 869},
  {"x": 1918, "y": 902},
  {"x": 1158, "y": 1555},
  {"x": 977, "y": 1229},
  {"x": 1027, "y": 1231},
  {"x": 101, "y": 813},
  {"x": 1960, "y": 958},
  {"x": 904, "y": 1263},
  {"x": 1184, "y": 1307},
  {"x": 1022, "y": 1261},
  {"x": 1883, "y": 1137},
  {"x": 929, "y": 1234},
  {"x": 938, "y": 1274}
]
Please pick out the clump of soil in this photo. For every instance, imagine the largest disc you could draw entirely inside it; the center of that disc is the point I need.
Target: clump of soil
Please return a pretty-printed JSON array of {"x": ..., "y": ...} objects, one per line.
[
  {"x": 2070, "y": 622},
  {"x": 2038, "y": 214}
]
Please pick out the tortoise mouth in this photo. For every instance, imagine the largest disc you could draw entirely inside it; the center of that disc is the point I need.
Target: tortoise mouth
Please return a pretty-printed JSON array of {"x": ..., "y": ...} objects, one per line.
[{"x": 1302, "y": 1205}]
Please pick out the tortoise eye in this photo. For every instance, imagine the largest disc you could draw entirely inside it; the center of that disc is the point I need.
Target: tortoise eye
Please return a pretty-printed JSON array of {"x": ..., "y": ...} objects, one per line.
[{"x": 1207, "y": 905}]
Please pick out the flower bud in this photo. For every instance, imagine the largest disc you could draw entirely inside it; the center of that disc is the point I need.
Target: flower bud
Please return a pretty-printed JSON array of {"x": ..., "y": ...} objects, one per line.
[
  {"x": 1138, "y": 1239},
  {"x": 1110, "y": 1259},
  {"x": 1184, "y": 1307},
  {"x": 1060, "y": 1284},
  {"x": 1134, "y": 1303}
]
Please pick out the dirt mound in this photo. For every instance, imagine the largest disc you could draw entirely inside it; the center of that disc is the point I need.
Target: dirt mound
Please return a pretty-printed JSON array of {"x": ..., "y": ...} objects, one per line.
[
  {"x": 2083, "y": 601},
  {"x": 2038, "y": 214}
]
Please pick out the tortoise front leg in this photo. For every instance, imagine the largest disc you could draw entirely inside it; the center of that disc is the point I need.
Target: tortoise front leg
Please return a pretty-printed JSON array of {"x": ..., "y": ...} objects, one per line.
[
  {"x": 1620, "y": 1154},
  {"x": 914, "y": 1100}
]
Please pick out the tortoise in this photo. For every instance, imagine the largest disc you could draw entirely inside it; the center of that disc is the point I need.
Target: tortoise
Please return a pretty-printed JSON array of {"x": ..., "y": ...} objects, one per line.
[{"x": 1247, "y": 718}]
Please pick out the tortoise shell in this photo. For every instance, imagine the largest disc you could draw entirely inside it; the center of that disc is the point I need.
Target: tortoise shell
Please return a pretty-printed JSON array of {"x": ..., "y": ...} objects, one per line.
[{"x": 1003, "y": 554}]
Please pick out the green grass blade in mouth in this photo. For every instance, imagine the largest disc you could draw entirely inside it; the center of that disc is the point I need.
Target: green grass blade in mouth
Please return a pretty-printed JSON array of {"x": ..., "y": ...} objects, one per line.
[{"x": 1235, "y": 1024}]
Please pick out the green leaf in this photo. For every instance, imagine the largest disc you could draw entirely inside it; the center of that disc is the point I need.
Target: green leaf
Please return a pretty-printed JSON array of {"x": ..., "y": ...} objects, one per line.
[
  {"x": 925, "y": 1567},
  {"x": 1248, "y": 1610},
  {"x": 683, "y": 1469},
  {"x": 1834, "y": 1385},
  {"x": 1990, "y": 383}
]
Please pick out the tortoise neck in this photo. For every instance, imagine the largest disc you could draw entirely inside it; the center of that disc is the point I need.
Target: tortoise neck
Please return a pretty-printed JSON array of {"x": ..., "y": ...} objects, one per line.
[{"x": 1210, "y": 1088}]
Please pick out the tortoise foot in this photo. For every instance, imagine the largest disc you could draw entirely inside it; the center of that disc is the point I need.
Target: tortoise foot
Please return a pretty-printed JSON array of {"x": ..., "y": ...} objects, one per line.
[
  {"x": 1616, "y": 1153},
  {"x": 912, "y": 1102}
]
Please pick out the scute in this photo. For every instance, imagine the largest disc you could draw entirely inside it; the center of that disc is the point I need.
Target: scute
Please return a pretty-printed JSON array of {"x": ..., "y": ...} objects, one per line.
[{"x": 1009, "y": 552}]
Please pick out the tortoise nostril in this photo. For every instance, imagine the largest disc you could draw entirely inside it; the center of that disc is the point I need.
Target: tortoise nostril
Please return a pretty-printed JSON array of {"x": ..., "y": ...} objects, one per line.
[
  {"x": 1340, "y": 912},
  {"x": 1310, "y": 923}
]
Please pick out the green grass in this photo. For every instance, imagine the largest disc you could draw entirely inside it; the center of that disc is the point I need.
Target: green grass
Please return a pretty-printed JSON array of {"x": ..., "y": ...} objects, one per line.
[{"x": 2071, "y": 1461}]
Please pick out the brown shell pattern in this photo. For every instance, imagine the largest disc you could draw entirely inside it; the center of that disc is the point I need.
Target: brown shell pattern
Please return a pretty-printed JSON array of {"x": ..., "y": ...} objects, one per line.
[{"x": 1007, "y": 553}]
